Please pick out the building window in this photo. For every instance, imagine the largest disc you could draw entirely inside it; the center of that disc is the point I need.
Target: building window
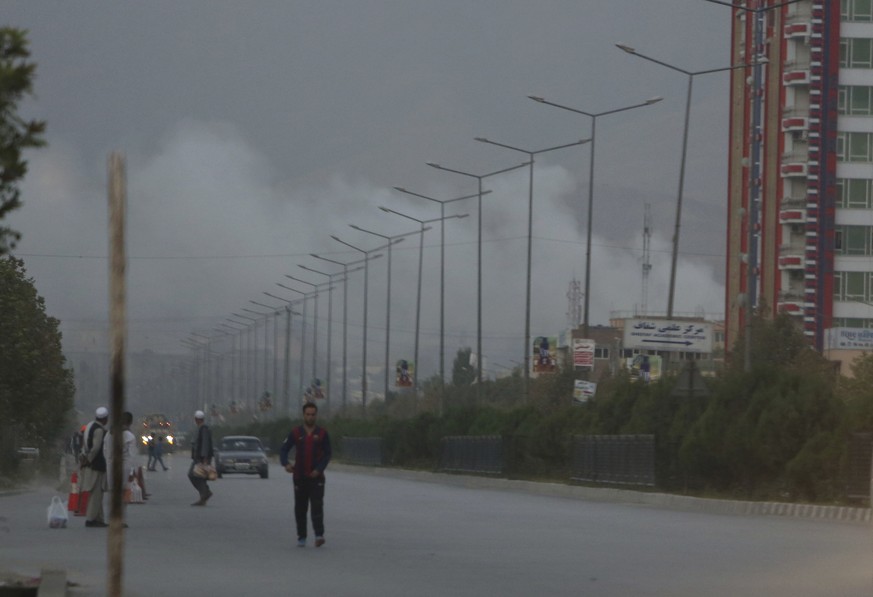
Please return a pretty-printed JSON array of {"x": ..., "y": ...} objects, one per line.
[
  {"x": 859, "y": 11},
  {"x": 855, "y": 147},
  {"x": 854, "y": 193},
  {"x": 855, "y": 101},
  {"x": 853, "y": 240},
  {"x": 601, "y": 353},
  {"x": 852, "y": 322},
  {"x": 856, "y": 52},
  {"x": 851, "y": 286}
]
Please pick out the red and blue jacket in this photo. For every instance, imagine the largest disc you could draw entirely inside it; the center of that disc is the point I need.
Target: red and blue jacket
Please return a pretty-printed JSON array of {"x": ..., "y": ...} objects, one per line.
[{"x": 311, "y": 451}]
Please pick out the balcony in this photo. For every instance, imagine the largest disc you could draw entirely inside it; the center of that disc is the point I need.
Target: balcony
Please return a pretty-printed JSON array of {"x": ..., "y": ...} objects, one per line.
[
  {"x": 791, "y": 261},
  {"x": 795, "y": 123},
  {"x": 790, "y": 307},
  {"x": 794, "y": 170},
  {"x": 796, "y": 77},
  {"x": 792, "y": 216},
  {"x": 798, "y": 29}
]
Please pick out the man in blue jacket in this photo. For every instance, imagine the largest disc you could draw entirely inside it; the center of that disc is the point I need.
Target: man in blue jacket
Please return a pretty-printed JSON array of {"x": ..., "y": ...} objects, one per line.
[{"x": 311, "y": 445}]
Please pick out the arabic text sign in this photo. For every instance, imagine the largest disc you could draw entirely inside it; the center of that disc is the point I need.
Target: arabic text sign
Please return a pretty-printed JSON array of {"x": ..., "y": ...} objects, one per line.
[
  {"x": 851, "y": 338},
  {"x": 583, "y": 390},
  {"x": 583, "y": 353},
  {"x": 664, "y": 334}
]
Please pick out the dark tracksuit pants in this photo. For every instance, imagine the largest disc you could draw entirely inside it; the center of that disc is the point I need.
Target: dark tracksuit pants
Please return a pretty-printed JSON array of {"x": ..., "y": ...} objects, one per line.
[{"x": 308, "y": 491}]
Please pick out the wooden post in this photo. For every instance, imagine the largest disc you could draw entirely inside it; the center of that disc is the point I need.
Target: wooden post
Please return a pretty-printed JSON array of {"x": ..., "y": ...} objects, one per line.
[{"x": 117, "y": 303}]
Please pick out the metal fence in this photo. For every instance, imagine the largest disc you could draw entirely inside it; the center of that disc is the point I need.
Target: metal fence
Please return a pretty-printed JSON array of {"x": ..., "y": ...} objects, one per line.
[
  {"x": 860, "y": 456},
  {"x": 363, "y": 450},
  {"x": 620, "y": 459},
  {"x": 472, "y": 454}
]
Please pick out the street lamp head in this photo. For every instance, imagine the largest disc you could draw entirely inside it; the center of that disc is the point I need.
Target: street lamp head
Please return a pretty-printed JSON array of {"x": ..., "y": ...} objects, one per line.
[
  {"x": 626, "y": 48},
  {"x": 433, "y": 164},
  {"x": 481, "y": 139},
  {"x": 385, "y": 209},
  {"x": 401, "y": 189},
  {"x": 537, "y": 98},
  {"x": 653, "y": 100}
]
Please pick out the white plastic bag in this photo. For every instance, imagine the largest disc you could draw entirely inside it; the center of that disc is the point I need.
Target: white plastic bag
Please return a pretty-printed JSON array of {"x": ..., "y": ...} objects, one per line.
[
  {"x": 57, "y": 514},
  {"x": 135, "y": 492}
]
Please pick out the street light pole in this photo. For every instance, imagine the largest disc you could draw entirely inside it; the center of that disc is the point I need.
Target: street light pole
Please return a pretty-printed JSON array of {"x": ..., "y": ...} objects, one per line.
[
  {"x": 479, "y": 178},
  {"x": 442, "y": 280},
  {"x": 345, "y": 272},
  {"x": 424, "y": 227},
  {"x": 266, "y": 316},
  {"x": 530, "y": 154},
  {"x": 690, "y": 75},
  {"x": 315, "y": 288},
  {"x": 252, "y": 342},
  {"x": 366, "y": 255},
  {"x": 594, "y": 116},
  {"x": 328, "y": 386},
  {"x": 286, "y": 384},
  {"x": 396, "y": 237},
  {"x": 276, "y": 312},
  {"x": 302, "y": 338}
]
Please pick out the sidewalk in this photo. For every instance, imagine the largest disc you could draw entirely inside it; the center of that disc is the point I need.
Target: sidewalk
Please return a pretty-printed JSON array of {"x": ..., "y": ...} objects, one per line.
[{"x": 627, "y": 496}]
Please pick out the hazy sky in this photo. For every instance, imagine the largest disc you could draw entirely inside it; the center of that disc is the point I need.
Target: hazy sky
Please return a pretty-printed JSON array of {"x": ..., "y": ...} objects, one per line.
[{"x": 253, "y": 131}]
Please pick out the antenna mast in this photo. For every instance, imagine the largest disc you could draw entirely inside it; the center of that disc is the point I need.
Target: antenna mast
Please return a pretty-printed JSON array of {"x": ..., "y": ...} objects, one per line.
[{"x": 647, "y": 263}]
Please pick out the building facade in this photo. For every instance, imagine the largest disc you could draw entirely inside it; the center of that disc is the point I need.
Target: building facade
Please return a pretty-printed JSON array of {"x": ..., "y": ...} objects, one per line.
[{"x": 800, "y": 200}]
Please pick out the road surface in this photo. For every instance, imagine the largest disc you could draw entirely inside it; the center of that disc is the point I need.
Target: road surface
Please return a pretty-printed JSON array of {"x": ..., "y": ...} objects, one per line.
[{"x": 391, "y": 536}]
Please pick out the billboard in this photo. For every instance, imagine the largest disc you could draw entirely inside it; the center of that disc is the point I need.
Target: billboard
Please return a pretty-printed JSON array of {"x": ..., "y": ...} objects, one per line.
[
  {"x": 665, "y": 334},
  {"x": 404, "y": 373},
  {"x": 583, "y": 390},
  {"x": 644, "y": 367},
  {"x": 851, "y": 338},
  {"x": 583, "y": 353},
  {"x": 545, "y": 354}
]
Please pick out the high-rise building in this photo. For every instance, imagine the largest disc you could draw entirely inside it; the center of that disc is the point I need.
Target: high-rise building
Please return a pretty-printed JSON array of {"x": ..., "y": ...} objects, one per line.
[{"x": 800, "y": 190}]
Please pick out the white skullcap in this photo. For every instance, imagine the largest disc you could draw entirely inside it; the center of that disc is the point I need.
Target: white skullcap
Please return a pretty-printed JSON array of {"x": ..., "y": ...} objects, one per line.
[
  {"x": 198, "y": 414},
  {"x": 101, "y": 413}
]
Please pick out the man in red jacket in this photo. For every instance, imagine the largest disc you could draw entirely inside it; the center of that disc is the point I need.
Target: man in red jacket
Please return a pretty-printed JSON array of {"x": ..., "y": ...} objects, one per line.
[{"x": 311, "y": 445}]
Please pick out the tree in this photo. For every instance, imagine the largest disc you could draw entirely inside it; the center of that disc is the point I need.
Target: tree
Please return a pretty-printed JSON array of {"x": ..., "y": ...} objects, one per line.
[
  {"x": 36, "y": 387},
  {"x": 16, "y": 133}
]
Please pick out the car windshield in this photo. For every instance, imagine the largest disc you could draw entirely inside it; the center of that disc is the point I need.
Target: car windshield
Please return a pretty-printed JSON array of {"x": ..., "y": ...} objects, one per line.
[{"x": 240, "y": 445}]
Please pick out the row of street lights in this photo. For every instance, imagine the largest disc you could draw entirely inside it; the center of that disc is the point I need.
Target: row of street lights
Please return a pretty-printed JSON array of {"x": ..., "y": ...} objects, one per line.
[{"x": 369, "y": 254}]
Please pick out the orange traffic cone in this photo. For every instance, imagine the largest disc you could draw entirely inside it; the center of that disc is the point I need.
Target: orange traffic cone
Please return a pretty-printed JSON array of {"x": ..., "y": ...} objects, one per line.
[{"x": 73, "y": 499}]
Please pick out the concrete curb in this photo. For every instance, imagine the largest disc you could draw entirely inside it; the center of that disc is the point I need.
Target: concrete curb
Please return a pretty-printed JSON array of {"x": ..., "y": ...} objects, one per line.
[{"x": 627, "y": 496}]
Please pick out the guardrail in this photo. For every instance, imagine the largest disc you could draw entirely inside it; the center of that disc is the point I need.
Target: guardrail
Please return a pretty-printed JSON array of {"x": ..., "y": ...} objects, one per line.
[
  {"x": 472, "y": 454},
  {"x": 363, "y": 450},
  {"x": 619, "y": 459}
]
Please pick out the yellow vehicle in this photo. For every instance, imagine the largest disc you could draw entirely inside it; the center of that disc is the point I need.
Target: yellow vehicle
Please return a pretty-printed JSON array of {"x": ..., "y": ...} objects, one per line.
[{"x": 154, "y": 425}]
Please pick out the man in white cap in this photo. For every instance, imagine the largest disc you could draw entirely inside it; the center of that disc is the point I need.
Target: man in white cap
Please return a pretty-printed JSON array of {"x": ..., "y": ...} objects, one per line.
[
  {"x": 201, "y": 453},
  {"x": 94, "y": 468}
]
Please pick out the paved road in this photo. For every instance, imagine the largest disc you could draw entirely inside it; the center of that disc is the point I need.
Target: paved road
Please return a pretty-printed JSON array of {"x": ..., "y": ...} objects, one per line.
[{"x": 392, "y": 536}]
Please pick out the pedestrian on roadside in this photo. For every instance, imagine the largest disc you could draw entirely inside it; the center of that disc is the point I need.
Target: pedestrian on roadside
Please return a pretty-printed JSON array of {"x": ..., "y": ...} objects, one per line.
[
  {"x": 201, "y": 453},
  {"x": 150, "y": 447},
  {"x": 93, "y": 466},
  {"x": 159, "y": 453},
  {"x": 311, "y": 445},
  {"x": 128, "y": 453}
]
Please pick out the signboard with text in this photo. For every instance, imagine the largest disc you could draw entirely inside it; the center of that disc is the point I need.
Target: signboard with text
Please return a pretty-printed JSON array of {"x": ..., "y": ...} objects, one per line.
[
  {"x": 583, "y": 390},
  {"x": 849, "y": 338},
  {"x": 663, "y": 334},
  {"x": 583, "y": 353}
]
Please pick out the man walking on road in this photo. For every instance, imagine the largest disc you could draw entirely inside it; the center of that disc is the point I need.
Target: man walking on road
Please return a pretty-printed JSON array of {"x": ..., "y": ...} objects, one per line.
[
  {"x": 201, "y": 453},
  {"x": 94, "y": 468},
  {"x": 311, "y": 445}
]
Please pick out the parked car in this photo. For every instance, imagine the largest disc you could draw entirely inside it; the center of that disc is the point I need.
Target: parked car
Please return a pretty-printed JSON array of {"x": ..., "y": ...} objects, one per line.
[{"x": 241, "y": 454}]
